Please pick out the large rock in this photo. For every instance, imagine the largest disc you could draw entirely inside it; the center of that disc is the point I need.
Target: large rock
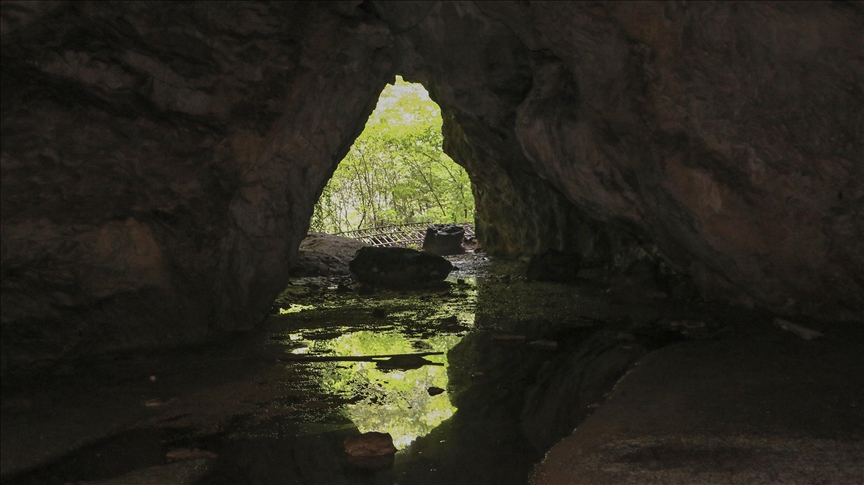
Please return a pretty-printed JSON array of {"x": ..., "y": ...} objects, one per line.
[
  {"x": 398, "y": 268},
  {"x": 160, "y": 162},
  {"x": 444, "y": 239},
  {"x": 325, "y": 255}
]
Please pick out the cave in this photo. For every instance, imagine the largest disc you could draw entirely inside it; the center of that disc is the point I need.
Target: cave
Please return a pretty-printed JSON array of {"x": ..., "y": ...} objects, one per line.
[{"x": 161, "y": 161}]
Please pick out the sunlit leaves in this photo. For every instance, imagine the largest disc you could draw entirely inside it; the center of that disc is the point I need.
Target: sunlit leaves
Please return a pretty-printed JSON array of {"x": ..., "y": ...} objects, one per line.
[{"x": 396, "y": 171}]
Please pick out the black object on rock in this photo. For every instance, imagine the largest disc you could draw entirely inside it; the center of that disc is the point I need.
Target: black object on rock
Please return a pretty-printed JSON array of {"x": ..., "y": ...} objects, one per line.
[
  {"x": 444, "y": 239},
  {"x": 398, "y": 268}
]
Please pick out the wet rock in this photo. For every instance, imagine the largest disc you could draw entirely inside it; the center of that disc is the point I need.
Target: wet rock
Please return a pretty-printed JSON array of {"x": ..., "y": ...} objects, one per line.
[
  {"x": 444, "y": 239},
  {"x": 325, "y": 255},
  {"x": 638, "y": 281},
  {"x": 803, "y": 332},
  {"x": 508, "y": 337},
  {"x": 177, "y": 472},
  {"x": 371, "y": 462},
  {"x": 398, "y": 267},
  {"x": 556, "y": 266},
  {"x": 544, "y": 344},
  {"x": 372, "y": 443},
  {"x": 156, "y": 403},
  {"x": 726, "y": 411},
  {"x": 561, "y": 398},
  {"x": 188, "y": 454}
]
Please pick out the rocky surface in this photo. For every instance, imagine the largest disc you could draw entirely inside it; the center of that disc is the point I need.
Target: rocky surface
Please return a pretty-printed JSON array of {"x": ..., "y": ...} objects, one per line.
[
  {"x": 565, "y": 395},
  {"x": 160, "y": 162},
  {"x": 444, "y": 239},
  {"x": 325, "y": 255},
  {"x": 726, "y": 134},
  {"x": 751, "y": 407},
  {"x": 398, "y": 268}
]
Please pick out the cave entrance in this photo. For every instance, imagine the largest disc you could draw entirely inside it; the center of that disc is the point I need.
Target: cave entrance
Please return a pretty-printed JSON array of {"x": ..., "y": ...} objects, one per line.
[{"x": 396, "y": 171}]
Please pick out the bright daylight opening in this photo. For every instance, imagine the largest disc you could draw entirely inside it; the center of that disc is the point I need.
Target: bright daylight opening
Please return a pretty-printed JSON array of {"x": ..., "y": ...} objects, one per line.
[{"x": 396, "y": 172}]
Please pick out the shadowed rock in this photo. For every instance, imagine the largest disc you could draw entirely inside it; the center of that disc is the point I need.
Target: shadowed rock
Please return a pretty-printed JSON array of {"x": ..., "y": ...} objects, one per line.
[
  {"x": 398, "y": 267},
  {"x": 554, "y": 266},
  {"x": 325, "y": 255},
  {"x": 444, "y": 239}
]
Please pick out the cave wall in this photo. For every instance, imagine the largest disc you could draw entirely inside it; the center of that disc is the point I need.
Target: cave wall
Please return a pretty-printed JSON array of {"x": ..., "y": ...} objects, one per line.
[
  {"x": 730, "y": 133},
  {"x": 160, "y": 161}
]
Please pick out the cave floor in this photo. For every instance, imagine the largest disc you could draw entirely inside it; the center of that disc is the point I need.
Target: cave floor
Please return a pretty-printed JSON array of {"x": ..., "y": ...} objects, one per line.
[{"x": 717, "y": 393}]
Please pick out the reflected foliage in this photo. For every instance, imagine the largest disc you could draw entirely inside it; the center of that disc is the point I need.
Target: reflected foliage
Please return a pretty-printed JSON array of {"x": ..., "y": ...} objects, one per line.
[{"x": 395, "y": 402}]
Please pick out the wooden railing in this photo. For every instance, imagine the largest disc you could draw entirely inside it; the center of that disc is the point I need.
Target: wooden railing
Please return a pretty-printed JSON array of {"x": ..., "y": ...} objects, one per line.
[{"x": 398, "y": 235}]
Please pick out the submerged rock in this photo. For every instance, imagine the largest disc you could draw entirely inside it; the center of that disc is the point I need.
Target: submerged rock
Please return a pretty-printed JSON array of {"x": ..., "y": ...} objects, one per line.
[
  {"x": 372, "y": 443},
  {"x": 372, "y": 450},
  {"x": 398, "y": 267}
]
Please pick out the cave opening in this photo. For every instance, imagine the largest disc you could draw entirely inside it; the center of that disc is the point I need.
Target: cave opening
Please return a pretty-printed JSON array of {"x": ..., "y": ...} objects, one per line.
[
  {"x": 396, "y": 172},
  {"x": 683, "y": 291}
]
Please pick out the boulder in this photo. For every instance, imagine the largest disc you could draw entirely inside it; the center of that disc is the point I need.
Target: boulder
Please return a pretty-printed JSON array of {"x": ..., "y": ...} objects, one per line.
[
  {"x": 398, "y": 267},
  {"x": 371, "y": 451},
  {"x": 444, "y": 239},
  {"x": 370, "y": 444},
  {"x": 325, "y": 255}
]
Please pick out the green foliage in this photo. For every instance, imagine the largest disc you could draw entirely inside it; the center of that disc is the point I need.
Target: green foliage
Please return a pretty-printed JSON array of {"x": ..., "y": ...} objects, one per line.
[{"x": 396, "y": 172}]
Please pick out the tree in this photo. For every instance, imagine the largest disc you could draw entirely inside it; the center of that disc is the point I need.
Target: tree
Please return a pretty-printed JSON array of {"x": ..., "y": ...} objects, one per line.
[{"x": 396, "y": 172}]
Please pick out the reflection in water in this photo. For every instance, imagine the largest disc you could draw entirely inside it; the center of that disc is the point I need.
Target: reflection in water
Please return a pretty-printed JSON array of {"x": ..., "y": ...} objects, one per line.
[
  {"x": 295, "y": 308},
  {"x": 389, "y": 401}
]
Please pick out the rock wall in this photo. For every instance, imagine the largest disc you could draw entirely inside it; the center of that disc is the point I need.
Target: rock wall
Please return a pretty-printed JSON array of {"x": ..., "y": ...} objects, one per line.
[
  {"x": 160, "y": 161},
  {"x": 728, "y": 134}
]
